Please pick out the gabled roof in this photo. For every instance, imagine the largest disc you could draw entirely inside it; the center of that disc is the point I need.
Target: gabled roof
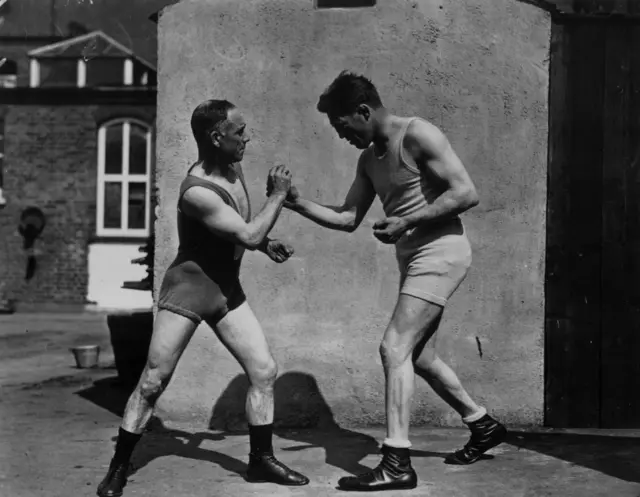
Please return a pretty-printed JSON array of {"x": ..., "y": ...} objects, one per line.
[{"x": 90, "y": 45}]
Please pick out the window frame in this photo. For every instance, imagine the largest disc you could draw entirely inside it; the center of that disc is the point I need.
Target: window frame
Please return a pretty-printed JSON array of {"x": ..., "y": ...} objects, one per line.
[{"x": 124, "y": 179}]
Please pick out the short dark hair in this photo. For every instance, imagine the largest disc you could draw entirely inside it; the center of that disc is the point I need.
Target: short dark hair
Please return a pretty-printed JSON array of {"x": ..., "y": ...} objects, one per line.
[
  {"x": 347, "y": 91},
  {"x": 207, "y": 117}
]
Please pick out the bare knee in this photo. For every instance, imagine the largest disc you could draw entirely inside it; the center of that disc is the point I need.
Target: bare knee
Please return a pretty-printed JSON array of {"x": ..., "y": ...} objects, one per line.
[
  {"x": 426, "y": 360},
  {"x": 153, "y": 383},
  {"x": 393, "y": 352},
  {"x": 263, "y": 375}
]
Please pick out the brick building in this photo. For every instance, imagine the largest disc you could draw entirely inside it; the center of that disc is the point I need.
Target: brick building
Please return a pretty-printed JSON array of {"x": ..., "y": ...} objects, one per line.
[{"x": 77, "y": 119}]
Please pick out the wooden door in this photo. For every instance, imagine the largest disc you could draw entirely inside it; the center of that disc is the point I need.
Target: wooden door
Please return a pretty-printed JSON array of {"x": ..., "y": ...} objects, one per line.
[{"x": 592, "y": 326}]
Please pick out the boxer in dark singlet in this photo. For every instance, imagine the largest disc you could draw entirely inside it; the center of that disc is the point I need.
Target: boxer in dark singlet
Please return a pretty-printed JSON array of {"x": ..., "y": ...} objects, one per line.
[{"x": 202, "y": 284}]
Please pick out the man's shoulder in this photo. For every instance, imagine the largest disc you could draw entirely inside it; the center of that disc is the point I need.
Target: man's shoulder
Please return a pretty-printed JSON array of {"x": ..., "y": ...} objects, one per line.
[
  {"x": 202, "y": 197},
  {"x": 423, "y": 133},
  {"x": 420, "y": 125},
  {"x": 365, "y": 158}
]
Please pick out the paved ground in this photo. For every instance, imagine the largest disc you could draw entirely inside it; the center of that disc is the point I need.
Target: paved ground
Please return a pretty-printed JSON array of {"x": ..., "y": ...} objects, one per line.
[{"x": 57, "y": 425}]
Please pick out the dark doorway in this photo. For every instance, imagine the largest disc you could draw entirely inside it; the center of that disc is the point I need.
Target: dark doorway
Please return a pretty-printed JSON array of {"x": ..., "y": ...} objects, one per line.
[{"x": 592, "y": 326}]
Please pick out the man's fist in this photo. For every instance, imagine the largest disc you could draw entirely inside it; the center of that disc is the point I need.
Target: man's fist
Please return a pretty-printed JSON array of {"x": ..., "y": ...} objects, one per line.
[
  {"x": 279, "y": 180},
  {"x": 390, "y": 229},
  {"x": 278, "y": 251},
  {"x": 292, "y": 196}
]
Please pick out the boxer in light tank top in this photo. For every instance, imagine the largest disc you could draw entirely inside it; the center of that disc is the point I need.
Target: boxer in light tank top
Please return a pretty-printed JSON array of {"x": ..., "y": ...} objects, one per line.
[{"x": 424, "y": 187}]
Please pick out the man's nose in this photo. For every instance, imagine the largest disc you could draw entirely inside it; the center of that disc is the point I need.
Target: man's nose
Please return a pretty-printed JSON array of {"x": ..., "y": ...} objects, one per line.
[{"x": 247, "y": 139}]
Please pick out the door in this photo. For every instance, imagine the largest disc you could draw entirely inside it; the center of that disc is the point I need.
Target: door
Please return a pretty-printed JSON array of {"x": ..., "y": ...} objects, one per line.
[{"x": 592, "y": 325}]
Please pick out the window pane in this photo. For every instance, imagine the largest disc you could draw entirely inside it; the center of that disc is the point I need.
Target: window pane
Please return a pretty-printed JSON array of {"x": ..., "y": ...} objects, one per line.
[
  {"x": 113, "y": 150},
  {"x": 112, "y": 205},
  {"x": 8, "y": 67},
  {"x": 138, "y": 150},
  {"x": 58, "y": 72},
  {"x": 137, "y": 196},
  {"x": 8, "y": 73},
  {"x": 105, "y": 72}
]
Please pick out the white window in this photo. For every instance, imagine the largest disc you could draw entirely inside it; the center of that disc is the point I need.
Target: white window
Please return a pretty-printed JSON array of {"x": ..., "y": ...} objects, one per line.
[{"x": 124, "y": 168}]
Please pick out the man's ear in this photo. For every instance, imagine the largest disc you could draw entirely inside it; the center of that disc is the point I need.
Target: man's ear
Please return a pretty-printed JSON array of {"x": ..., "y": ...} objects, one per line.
[
  {"x": 216, "y": 137},
  {"x": 364, "y": 111}
]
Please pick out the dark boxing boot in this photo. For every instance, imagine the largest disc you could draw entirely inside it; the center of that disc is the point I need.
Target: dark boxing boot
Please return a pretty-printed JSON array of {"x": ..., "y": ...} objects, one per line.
[
  {"x": 115, "y": 480},
  {"x": 393, "y": 473},
  {"x": 486, "y": 433},
  {"x": 266, "y": 468}
]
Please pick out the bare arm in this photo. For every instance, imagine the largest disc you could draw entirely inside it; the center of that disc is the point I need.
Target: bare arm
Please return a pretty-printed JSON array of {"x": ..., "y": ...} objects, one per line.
[
  {"x": 346, "y": 217},
  {"x": 218, "y": 217},
  {"x": 435, "y": 157}
]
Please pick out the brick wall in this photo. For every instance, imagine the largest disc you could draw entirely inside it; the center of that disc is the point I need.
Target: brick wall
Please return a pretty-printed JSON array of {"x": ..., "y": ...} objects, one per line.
[{"x": 51, "y": 163}]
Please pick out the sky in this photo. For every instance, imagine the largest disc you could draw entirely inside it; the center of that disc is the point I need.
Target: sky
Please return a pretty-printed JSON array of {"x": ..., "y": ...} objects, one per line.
[{"x": 125, "y": 20}]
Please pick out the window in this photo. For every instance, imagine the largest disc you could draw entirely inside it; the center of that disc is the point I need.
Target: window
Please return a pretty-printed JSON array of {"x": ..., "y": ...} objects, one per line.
[
  {"x": 143, "y": 76},
  {"x": 124, "y": 169},
  {"x": 95, "y": 72},
  {"x": 58, "y": 72},
  {"x": 104, "y": 71},
  {"x": 8, "y": 73},
  {"x": 344, "y": 4}
]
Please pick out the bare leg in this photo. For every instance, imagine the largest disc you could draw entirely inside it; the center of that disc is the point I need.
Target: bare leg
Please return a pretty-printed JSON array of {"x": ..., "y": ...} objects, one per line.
[
  {"x": 486, "y": 432},
  {"x": 411, "y": 319},
  {"x": 440, "y": 376},
  {"x": 242, "y": 334},
  {"x": 171, "y": 335},
  {"x": 410, "y": 322}
]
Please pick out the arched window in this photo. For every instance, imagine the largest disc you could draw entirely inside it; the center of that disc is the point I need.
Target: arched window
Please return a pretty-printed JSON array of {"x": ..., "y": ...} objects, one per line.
[{"x": 124, "y": 170}]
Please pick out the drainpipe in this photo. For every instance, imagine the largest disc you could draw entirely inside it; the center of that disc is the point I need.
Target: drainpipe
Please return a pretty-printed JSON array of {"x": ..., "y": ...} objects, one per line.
[{"x": 3, "y": 201}]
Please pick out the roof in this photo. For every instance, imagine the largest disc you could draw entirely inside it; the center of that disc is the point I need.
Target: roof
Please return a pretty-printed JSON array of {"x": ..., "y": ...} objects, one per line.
[
  {"x": 89, "y": 45},
  {"x": 163, "y": 4}
]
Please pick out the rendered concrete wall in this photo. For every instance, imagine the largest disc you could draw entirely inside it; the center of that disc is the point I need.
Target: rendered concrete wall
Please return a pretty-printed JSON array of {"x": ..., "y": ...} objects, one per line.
[{"x": 478, "y": 70}]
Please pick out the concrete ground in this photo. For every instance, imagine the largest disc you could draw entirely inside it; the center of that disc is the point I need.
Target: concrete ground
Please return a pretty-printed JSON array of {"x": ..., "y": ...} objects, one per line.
[{"x": 57, "y": 427}]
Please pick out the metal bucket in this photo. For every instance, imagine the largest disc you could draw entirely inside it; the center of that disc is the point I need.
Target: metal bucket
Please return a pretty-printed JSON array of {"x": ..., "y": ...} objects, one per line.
[{"x": 86, "y": 355}]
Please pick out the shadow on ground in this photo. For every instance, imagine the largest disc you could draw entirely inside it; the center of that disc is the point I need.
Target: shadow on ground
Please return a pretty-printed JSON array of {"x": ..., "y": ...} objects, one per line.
[
  {"x": 611, "y": 455},
  {"x": 302, "y": 415},
  {"x": 159, "y": 441}
]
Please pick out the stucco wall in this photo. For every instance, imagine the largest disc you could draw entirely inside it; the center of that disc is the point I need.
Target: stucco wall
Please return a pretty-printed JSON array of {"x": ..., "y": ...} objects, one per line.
[{"x": 478, "y": 70}]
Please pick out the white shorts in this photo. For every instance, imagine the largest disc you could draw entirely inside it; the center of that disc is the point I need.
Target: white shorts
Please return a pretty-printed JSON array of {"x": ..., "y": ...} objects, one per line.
[{"x": 433, "y": 264}]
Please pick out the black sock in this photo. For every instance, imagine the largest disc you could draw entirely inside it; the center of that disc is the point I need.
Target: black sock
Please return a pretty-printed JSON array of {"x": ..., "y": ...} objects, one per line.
[
  {"x": 125, "y": 445},
  {"x": 260, "y": 439}
]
